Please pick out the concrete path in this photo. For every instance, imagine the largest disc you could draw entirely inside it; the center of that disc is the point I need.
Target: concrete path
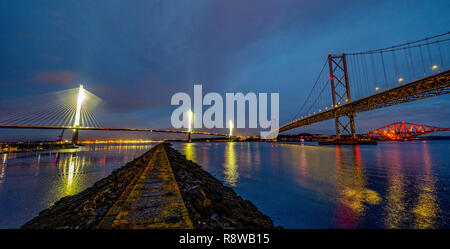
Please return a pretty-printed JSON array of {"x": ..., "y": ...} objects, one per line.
[{"x": 152, "y": 200}]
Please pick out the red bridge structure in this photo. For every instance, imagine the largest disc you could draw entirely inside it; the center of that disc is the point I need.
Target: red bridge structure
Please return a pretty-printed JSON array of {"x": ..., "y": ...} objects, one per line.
[{"x": 405, "y": 131}]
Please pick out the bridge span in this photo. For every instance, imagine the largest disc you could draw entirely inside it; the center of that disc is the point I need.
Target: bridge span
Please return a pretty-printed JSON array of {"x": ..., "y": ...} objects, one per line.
[
  {"x": 113, "y": 129},
  {"x": 431, "y": 86}
]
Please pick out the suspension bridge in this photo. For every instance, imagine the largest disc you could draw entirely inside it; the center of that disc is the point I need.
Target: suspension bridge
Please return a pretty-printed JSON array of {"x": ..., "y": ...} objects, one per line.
[
  {"x": 357, "y": 82},
  {"x": 364, "y": 81}
]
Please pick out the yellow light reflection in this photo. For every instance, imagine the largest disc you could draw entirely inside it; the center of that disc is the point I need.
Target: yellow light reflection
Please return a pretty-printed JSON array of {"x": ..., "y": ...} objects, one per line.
[
  {"x": 70, "y": 167},
  {"x": 353, "y": 195},
  {"x": 395, "y": 203},
  {"x": 230, "y": 171},
  {"x": 426, "y": 208},
  {"x": 189, "y": 151},
  {"x": 3, "y": 167}
]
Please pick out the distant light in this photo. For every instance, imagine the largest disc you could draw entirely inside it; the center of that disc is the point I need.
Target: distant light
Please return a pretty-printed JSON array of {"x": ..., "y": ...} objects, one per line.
[
  {"x": 434, "y": 67},
  {"x": 400, "y": 79},
  {"x": 331, "y": 77},
  {"x": 377, "y": 88}
]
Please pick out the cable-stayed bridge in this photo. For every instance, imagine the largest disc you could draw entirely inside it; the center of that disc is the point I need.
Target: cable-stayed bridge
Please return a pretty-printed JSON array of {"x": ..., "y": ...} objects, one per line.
[
  {"x": 72, "y": 109},
  {"x": 358, "y": 82}
]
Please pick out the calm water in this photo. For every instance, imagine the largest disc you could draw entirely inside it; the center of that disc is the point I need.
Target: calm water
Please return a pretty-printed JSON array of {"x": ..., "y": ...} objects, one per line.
[{"x": 392, "y": 185}]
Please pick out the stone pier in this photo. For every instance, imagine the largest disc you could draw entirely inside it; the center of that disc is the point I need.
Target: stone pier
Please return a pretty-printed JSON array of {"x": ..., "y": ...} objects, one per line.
[
  {"x": 160, "y": 189},
  {"x": 151, "y": 200}
]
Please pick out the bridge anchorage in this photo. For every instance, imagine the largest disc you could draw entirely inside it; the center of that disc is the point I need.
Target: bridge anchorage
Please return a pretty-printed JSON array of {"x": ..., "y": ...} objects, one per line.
[{"x": 404, "y": 131}]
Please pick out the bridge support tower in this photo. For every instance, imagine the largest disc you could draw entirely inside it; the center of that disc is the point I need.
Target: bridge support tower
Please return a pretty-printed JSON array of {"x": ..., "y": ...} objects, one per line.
[
  {"x": 340, "y": 91},
  {"x": 75, "y": 136}
]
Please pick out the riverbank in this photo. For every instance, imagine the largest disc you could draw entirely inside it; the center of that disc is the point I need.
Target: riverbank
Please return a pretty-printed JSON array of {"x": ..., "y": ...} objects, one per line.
[{"x": 209, "y": 203}]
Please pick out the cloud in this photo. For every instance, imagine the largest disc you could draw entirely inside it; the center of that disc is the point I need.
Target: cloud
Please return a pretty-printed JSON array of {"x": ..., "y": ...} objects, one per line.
[{"x": 55, "y": 77}]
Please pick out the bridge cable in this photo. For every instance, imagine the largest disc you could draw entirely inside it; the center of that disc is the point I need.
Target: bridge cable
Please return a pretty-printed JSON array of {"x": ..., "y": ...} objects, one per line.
[
  {"x": 423, "y": 61},
  {"x": 440, "y": 55},
  {"x": 373, "y": 72},
  {"x": 309, "y": 95},
  {"x": 384, "y": 71}
]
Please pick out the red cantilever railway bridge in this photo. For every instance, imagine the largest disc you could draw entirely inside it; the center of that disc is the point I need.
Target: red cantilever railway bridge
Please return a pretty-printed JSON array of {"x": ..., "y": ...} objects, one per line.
[{"x": 405, "y": 131}]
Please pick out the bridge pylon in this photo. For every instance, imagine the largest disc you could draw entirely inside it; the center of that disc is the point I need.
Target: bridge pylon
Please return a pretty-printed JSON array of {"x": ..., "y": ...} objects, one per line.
[
  {"x": 340, "y": 91},
  {"x": 75, "y": 136}
]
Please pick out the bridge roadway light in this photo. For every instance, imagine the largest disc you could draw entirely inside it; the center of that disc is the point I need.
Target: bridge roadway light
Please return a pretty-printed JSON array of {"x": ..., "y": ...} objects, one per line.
[
  {"x": 400, "y": 80},
  {"x": 434, "y": 67},
  {"x": 377, "y": 88}
]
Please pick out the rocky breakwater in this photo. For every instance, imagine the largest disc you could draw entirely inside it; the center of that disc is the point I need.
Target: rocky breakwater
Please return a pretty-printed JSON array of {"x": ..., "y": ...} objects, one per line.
[{"x": 210, "y": 203}]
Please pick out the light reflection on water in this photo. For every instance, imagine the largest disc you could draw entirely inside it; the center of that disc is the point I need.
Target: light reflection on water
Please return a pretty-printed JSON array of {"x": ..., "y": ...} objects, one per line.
[
  {"x": 392, "y": 185},
  {"x": 30, "y": 182}
]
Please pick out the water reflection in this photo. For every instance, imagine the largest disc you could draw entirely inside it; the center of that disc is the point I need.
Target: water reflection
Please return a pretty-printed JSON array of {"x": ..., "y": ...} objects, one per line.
[
  {"x": 3, "y": 167},
  {"x": 70, "y": 169},
  {"x": 395, "y": 204},
  {"x": 189, "y": 151},
  {"x": 353, "y": 195},
  {"x": 230, "y": 164},
  {"x": 411, "y": 201},
  {"x": 426, "y": 207},
  {"x": 391, "y": 185}
]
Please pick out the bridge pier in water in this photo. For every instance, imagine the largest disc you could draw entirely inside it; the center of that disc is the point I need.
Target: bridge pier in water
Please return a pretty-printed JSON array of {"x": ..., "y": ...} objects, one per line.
[{"x": 75, "y": 136}]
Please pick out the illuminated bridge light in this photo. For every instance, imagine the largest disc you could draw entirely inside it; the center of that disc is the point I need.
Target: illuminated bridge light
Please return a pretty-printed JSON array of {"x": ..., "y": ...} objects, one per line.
[
  {"x": 434, "y": 67},
  {"x": 400, "y": 80},
  {"x": 231, "y": 128},
  {"x": 80, "y": 99},
  {"x": 190, "y": 118}
]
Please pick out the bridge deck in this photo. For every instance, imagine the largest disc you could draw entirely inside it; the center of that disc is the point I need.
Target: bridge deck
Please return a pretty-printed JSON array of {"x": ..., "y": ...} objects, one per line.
[
  {"x": 431, "y": 86},
  {"x": 7, "y": 126}
]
